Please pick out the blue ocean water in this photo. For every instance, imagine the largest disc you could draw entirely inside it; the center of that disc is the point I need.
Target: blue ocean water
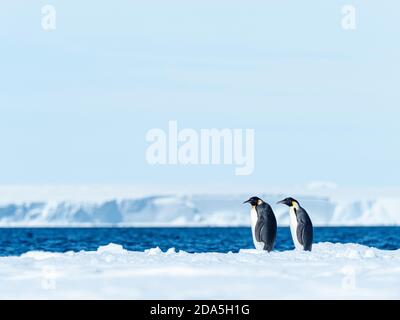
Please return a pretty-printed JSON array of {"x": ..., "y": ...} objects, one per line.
[{"x": 15, "y": 241}]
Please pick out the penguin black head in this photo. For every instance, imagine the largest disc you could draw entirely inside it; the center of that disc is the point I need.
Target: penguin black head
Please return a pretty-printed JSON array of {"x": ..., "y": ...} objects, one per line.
[
  {"x": 290, "y": 202},
  {"x": 254, "y": 201}
]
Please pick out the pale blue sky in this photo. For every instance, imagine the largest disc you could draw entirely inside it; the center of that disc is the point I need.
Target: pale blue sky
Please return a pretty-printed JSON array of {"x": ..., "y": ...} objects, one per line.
[{"x": 76, "y": 103}]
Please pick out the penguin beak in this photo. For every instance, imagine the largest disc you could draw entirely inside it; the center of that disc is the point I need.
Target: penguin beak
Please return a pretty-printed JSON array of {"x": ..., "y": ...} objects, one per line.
[
  {"x": 246, "y": 201},
  {"x": 281, "y": 202}
]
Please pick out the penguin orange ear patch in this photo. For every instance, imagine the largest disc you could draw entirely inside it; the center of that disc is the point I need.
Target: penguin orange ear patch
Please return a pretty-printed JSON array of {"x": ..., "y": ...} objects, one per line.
[{"x": 259, "y": 202}]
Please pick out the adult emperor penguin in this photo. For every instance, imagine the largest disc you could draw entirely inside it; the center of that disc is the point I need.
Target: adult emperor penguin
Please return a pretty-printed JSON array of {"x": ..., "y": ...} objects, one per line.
[
  {"x": 263, "y": 224},
  {"x": 300, "y": 225}
]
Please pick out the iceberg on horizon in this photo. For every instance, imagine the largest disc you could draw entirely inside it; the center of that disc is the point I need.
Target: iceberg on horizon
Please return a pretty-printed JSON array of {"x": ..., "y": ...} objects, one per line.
[{"x": 194, "y": 210}]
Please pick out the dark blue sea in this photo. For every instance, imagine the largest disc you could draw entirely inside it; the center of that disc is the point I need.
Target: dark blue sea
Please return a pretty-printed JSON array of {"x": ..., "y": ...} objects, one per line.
[{"x": 15, "y": 241}]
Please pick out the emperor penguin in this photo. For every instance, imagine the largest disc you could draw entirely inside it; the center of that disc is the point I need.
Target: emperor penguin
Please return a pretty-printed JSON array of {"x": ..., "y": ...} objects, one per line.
[
  {"x": 263, "y": 224},
  {"x": 300, "y": 225}
]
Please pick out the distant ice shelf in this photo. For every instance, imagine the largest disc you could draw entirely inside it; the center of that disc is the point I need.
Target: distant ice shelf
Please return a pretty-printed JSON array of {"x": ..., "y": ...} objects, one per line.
[
  {"x": 331, "y": 271},
  {"x": 194, "y": 210}
]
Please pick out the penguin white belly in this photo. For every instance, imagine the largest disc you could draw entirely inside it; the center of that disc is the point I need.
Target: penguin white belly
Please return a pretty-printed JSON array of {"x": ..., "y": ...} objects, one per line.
[
  {"x": 254, "y": 218},
  {"x": 293, "y": 229}
]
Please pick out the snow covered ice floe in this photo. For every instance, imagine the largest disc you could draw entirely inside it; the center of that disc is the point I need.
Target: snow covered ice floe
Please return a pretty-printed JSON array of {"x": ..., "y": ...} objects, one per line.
[{"x": 336, "y": 271}]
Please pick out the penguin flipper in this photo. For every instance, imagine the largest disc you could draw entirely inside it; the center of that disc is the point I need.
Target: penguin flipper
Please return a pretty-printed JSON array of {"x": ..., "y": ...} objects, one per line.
[
  {"x": 268, "y": 234},
  {"x": 266, "y": 227},
  {"x": 259, "y": 228},
  {"x": 305, "y": 235},
  {"x": 265, "y": 231}
]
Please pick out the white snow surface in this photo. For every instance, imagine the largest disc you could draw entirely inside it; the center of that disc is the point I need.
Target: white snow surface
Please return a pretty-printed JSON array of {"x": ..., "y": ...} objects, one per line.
[
  {"x": 334, "y": 271},
  {"x": 195, "y": 210}
]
